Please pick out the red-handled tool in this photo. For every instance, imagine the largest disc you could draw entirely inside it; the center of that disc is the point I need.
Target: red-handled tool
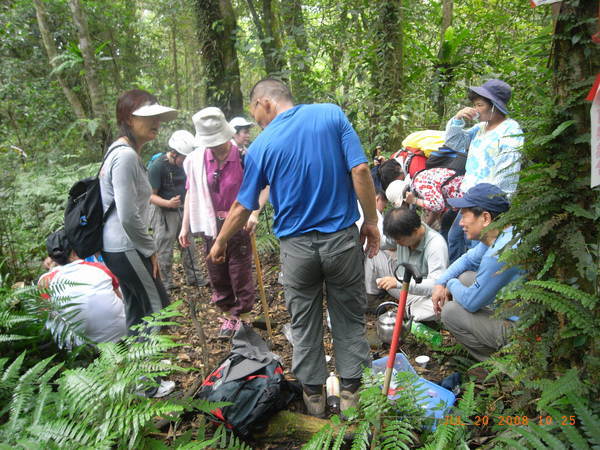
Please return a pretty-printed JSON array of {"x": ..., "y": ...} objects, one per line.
[{"x": 410, "y": 271}]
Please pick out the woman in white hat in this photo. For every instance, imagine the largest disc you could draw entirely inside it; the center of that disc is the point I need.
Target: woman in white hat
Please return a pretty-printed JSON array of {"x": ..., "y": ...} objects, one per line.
[
  {"x": 128, "y": 250},
  {"x": 215, "y": 174}
]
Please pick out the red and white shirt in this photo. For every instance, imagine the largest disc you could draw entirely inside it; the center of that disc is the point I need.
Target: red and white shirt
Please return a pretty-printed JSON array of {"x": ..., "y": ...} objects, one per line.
[{"x": 89, "y": 289}]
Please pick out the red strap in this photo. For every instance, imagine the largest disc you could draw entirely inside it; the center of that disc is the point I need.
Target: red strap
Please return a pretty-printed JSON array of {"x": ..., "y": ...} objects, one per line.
[{"x": 106, "y": 270}]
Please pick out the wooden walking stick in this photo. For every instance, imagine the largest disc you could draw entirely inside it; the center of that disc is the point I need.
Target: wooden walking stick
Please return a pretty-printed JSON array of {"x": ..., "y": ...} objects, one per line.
[{"x": 261, "y": 287}]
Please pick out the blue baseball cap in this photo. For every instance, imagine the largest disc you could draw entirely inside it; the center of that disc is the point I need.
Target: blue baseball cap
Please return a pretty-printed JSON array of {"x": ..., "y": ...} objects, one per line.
[
  {"x": 496, "y": 91},
  {"x": 485, "y": 196}
]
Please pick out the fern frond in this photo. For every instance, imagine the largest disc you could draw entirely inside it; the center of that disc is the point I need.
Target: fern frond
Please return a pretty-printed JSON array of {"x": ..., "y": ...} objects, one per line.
[
  {"x": 397, "y": 433},
  {"x": 552, "y": 390},
  {"x": 69, "y": 434},
  {"x": 361, "y": 436},
  {"x": 589, "y": 421},
  {"x": 339, "y": 440},
  {"x": 318, "y": 440},
  {"x": 22, "y": 398},
  {"x": 587, "y": 300}
]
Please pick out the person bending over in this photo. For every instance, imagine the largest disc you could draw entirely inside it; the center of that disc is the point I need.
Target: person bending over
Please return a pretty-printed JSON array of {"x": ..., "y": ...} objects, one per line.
[
  {"x": 416, "y": 244},
  {"x": 87, "y": 294}
]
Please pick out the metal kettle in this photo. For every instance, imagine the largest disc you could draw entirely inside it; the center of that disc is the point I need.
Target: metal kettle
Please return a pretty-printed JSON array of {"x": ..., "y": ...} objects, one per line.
[{"x": 386, "y": 321}]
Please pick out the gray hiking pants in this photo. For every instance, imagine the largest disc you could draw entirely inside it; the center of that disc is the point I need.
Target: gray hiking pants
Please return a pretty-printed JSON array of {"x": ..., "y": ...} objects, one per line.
[
  {"x": 166, "y": 224},
  {"x": 480, "y": 332},
  {"x": 336, "y": 260}
]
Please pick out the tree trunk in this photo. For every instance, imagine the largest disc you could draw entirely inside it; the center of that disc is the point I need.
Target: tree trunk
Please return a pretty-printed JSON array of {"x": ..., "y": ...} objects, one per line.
[
  {"x": 217, "y": 36},
  {"x": 51, "y": 51},
  {"x": 91, "y": 77},
  {"x": 390, "y": 68},
  {"x": 442, "y": 71},
  {"x": 268, "y": 37},
  {"x": 175, "y": 70},
  {"x": 575, "y": 60},
  {"x": 292, "y": 16}
]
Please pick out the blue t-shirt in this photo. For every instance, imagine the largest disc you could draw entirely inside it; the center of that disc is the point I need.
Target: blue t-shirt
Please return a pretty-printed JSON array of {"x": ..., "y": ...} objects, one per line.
[{"x": 305, "y": 154}]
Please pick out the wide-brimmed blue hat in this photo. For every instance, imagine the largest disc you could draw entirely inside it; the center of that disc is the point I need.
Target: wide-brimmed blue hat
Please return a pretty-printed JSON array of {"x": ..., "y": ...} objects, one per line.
[
  {"x": 496, "y": 91},
  {"x": 485, "y": 196}
]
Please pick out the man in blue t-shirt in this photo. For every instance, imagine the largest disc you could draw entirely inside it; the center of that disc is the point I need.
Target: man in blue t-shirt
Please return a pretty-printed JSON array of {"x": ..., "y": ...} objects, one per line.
[
  {"x": 311, "y": 158},
  {"x": 474, "y": 279}
]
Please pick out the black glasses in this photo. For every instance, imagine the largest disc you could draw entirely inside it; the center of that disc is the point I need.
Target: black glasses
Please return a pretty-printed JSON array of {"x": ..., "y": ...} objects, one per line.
[{"x": 216, "y": 178}]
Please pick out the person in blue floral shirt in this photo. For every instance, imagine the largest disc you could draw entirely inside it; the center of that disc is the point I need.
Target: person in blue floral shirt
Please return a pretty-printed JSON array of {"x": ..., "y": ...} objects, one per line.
[{"x": 494, "y": 150}]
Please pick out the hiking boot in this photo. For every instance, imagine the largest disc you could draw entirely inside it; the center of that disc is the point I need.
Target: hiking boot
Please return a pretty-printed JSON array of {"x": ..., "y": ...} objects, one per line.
[
  {"x": 348, "y": 400},
  {"x": 229, "y": 327},
  {"x": 315, "y": 403}
]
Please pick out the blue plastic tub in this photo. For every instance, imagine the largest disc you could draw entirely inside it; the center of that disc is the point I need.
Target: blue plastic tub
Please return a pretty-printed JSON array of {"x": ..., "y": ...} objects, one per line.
[{"x": 437, "y": 401}]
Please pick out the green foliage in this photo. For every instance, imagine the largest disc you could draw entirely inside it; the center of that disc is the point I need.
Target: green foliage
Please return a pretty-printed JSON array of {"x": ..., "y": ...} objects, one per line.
[
  {"x": 565, "y": 420},
  {"x": 380, "y": 422}
]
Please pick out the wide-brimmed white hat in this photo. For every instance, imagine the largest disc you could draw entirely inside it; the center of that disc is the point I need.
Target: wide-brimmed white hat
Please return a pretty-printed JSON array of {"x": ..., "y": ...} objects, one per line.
[
  {"x": 240, "y": 122},
  {"x": 182, "y": 141},
  {"x": 396, "y": 191},
  {"x": 166, "y": 114},
  {"x": 212, "y": 129}
]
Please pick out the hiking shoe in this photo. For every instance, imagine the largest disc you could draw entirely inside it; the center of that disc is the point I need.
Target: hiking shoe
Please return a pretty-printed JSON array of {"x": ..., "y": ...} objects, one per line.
[
  {"x": 348, "y": 400},
  {"x": 315, "y": 404},
  {"x": 229, "y": 327},
  {"x": 165, "y": 388}
]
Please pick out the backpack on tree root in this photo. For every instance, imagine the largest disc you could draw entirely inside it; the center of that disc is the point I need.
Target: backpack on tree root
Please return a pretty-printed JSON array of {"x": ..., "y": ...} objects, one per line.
[{"x": 252, "y": 380}]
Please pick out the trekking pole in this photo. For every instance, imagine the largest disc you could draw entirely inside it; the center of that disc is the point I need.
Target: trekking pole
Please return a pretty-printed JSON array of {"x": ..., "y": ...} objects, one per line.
[
  {"x": 192, "y": 307},
  {"x": 261, "y": 287}
]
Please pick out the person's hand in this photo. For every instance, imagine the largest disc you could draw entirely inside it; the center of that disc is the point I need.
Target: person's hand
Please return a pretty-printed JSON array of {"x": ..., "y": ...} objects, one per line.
[
  {"x": 439, "y": 296},
  {"x": 378, "y": 160},
  {"x": 251, "y": 224},
  {"x": 467, "y": 113},
  {"x": 217, "y": 252},
  {"x": 370, "y": 232},
  {"x": 155, "y": 268},
  {"x": 175, "y": 202},
  {"x": 184, "y": 240},
  {"x": 387, "y": 283},
  {"x": 410, "y": 199}
]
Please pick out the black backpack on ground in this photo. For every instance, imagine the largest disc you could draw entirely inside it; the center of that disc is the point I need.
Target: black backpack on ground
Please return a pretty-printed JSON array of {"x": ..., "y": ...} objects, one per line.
[
  {"x": 84, "y": 216},
  {"x": 252, "y": 380}
]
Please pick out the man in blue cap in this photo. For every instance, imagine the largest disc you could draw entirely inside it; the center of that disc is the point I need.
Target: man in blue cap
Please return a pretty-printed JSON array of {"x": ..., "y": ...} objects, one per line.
[
  {"x": 494, "y": 150},
  {"x": 474, "y": 279}
]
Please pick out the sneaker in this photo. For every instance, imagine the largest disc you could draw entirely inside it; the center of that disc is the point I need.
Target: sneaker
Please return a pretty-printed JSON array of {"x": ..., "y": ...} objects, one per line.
[
  {"x": 165, "y": 388},
  {"x": 348, "y": 400},
  {"x": 315, "y": 404},
  {"x": 229, "y": 327}
]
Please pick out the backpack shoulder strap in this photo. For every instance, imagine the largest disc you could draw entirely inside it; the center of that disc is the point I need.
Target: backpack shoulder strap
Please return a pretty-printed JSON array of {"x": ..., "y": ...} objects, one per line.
[
  {"x": 106, "y": 156},
  {"x": 112, "y": 204}
]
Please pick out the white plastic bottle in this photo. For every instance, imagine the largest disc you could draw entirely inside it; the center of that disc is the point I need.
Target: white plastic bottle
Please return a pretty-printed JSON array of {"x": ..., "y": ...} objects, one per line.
[{"x": 333, "y": 392}]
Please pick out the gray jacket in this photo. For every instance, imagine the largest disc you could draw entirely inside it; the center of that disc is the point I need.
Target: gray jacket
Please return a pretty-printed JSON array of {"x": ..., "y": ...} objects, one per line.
[{"x": 125, "y": 179}]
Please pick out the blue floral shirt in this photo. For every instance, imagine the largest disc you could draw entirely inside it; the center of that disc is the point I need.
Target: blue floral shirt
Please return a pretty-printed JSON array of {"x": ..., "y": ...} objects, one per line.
[{"x": 494, "y": 156}]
